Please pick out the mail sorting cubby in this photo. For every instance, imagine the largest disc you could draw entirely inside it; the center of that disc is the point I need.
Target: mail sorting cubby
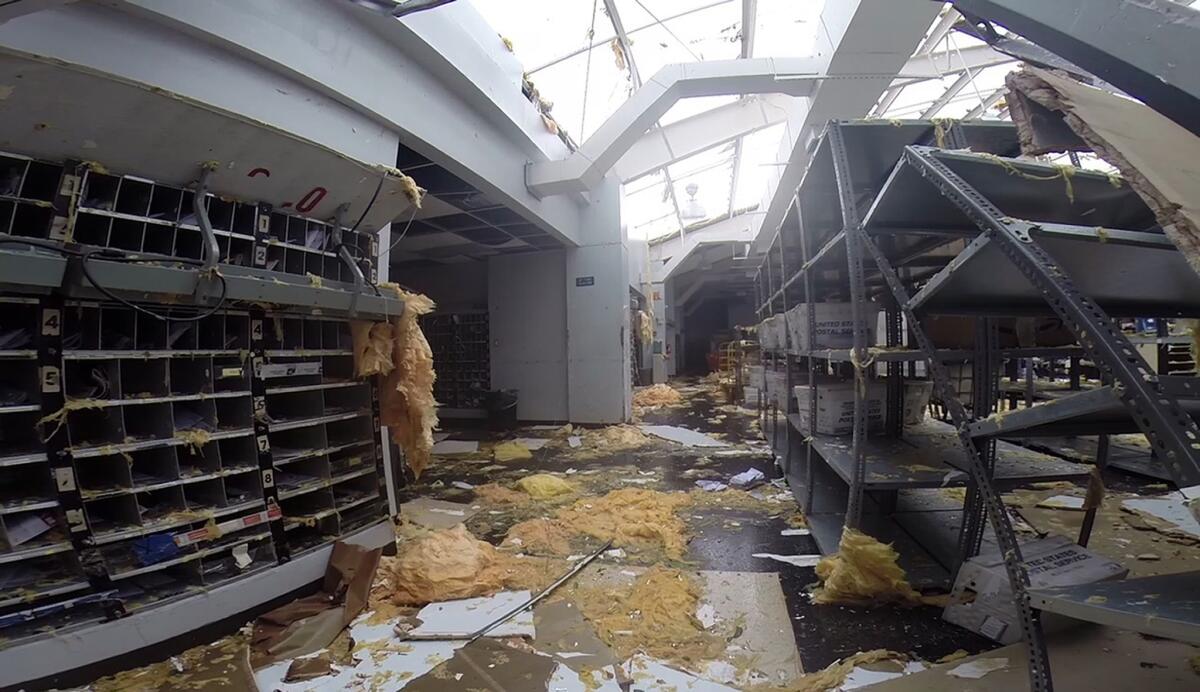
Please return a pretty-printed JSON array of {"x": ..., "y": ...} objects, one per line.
[
  {"x": 299, "y": 245},
  {"x": 138, "y": 215},
  {"x": 27, "y": 191},
  {"x": 320, "y": 430}
]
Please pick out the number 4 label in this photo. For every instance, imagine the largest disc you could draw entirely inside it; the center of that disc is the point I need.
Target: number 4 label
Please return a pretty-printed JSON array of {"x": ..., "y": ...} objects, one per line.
[{"x": 51, "y": 322}]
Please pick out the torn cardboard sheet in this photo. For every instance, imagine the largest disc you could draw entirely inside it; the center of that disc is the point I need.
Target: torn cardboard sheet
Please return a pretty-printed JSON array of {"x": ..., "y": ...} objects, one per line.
[
  {"x": 461, "y": 619},
  {"x": 448, "y": 447},
  {"x": 309, "y": 624},
  {"x": 487, "y": 665},
  {"x": 1160, "y": 159},
  {"x": 688, "y": 438}
]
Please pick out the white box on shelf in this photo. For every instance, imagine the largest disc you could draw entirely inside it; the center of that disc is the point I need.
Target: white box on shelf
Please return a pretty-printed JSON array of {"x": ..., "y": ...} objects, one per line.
[
  {"x": 835, "y": 406},
  {"x": 771, "y": 336},
  {"x": 834, "y": 325},
  {"x": 916, "y": 400},
  {"x": 982, "y": 601}
]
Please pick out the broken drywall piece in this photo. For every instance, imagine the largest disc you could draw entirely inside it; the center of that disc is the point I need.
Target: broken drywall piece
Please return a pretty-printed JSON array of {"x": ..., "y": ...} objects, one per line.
[
  {"x": 794, "y": 560},
  {"x": 1171, "y": 509},
  {"x": 795, "y": 532},
  {"x": 683, "y": 436},
  {"x": 706, "y": 614},
  {"x": 435, "y": 514},
  {"x": 973, "y": 670},
  {"x": 462, "y": 618},
  {"x": 462, "y": 485},
  {"x": 651, "y": 675},
  {"x": 533, "y": 444},
  {"x": 574, "y": 441},
  {"x": 711, "y": 486},
  {"x": 865, "y": 677},
  {"x": 456, "y": 447},
  {"x": 439, "y": 436},
  {"x": 1062, "y": 502}
]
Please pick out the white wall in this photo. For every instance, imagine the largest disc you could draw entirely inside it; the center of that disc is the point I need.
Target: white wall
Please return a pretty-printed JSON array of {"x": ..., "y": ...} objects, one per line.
[{"x": 528, "y": 320}]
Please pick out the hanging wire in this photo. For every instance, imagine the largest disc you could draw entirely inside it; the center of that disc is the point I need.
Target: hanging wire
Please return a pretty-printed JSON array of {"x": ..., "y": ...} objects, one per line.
[
  {"x": 970, "y": 77},
  {"x": 587, "y": 73},
  {"x": 668, "y": 30}
]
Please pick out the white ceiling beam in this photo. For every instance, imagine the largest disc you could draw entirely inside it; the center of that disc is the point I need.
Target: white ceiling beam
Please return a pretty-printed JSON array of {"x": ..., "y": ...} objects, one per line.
[
  {"x": 863, "y": 37},
  {"x": 666, "y": 145},
  {"x": 988, "y": 101},
  {"x": 749, "y": 28},
  {"x": 683, "y": 138},
  {"x": 586, "y": 167},
  {"x": 951, "y": 91}
]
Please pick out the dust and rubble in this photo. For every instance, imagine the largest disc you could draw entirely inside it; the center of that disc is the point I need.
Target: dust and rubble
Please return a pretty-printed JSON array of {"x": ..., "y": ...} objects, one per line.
[{"x": 675, "y": 595}]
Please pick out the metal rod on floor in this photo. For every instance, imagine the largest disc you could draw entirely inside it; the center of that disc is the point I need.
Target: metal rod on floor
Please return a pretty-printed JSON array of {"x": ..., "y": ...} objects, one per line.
[{"x": 544, "y": 593}]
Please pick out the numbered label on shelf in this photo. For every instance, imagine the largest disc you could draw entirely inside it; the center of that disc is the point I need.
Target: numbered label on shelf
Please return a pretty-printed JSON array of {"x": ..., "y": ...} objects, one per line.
[
  {"x": 260, "y": 256},
  {"x": 69, "y": 186},
  {"x": 260, "y": 407},
  {"x": 264, "y": 445},
  {"x": 268, "y": 478},
  {"x": 65, "y": 479},
  {"x": 58, "y": 228},
  {"x": 256, "y": 330},
  {"x": 51, "y": 322},
  {"x": 51, "y": 379},
  {"x": 76, "y": 520}
]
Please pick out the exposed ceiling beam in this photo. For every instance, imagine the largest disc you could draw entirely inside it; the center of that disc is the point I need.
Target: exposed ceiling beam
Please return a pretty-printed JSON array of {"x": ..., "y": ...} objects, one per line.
[
  {"x": 988, "y": 101},
  {"x": 749, "y": 23},
  {"x": 951, "y": 91},
  {"x": 604, "y": 41},
  {"x": 871, "y": 36},
  {"x": 949, "y": 17}
]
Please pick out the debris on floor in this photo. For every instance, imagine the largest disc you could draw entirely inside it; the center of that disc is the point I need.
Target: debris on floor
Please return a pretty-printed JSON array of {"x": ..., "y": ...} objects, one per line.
[
  {"x": 543, "y": 486},
  {"x": 683, "y": 436},
  {"x": 445, "y": 447},
  {"x": 460, "y": 619},
  {"x": 436, "y": 514},
  {"x": 631, "y": 518},
  {"x": 656, "y": 395},
  {"x": 973, "y": 670},
  {"x": 863, "y": 572},
  {"x": 511, "y": 450},
  {"x": 540, "y": 536}
]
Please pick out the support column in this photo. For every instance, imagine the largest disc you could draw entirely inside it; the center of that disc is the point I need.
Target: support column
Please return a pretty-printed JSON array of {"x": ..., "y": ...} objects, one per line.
[{"x": 597, "y": 287}]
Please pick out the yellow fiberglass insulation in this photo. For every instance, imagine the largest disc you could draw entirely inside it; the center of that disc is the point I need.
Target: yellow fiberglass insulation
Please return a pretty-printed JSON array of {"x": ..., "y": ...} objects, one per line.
[
  {"x": 373, "y": 347},
  {"x": 543, "y": 486},
  {"x": 441, "y": 566},
  {"x": 406, "y": 403},
  {"x": 511, "y": 451},
  {"x": 862, "y": 572}
]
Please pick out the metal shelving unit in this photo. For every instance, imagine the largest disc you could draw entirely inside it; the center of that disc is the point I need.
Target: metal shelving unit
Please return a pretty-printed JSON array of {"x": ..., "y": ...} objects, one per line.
[
  {"x": 462, "y": 349},
  {"x": 123, "y": 435},
  {"x": 968, "y": 232}
]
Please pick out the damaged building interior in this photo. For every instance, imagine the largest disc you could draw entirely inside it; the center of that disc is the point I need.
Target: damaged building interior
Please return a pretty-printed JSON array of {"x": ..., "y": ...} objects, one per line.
[{"x": 599, "y": 345}]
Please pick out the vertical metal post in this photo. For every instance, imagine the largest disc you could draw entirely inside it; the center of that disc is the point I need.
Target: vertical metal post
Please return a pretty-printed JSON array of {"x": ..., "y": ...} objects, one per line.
[
  {"x": 858, "y": 299},
  {"x": 1039, "y": 661},
  {"x": 985, "y": 374},
  {"x": 787, "y": 346}
]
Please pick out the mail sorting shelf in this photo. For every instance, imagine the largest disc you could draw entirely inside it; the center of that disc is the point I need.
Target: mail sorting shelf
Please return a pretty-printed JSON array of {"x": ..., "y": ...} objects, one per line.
[
  {"x": 160, "y": 428},
  {"x": 136, "y": 215},
  {"x": 461, "y": 348},
  {"x": 322, "y": 437}
]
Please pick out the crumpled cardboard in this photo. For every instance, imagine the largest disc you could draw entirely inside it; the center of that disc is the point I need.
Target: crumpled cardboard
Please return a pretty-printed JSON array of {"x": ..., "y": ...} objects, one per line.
[{"x": 309, "y": 624}]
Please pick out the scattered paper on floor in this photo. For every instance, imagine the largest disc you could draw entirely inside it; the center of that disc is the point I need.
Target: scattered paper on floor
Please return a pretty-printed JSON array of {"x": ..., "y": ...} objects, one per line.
[
  {"x": 794, "y": 560},
  {"x": 460, "y": 619},
  {"x": 448, "y": 447},
  {"x": 688, "y": 438}
]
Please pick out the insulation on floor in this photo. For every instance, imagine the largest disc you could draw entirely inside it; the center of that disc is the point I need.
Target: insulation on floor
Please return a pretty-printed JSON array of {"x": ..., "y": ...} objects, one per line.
[
  {"x": 632, "y": 518},
  {"x": 657, "y": 395},
  {"x": 862, "y": 572},
  {"x": 543, "y": 486}
]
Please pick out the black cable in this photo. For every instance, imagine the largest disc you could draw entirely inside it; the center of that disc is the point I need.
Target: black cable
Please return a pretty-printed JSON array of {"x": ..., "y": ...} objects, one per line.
[
  {"x": 370, "y": 203},
  {"x": 117, "y": 256}
]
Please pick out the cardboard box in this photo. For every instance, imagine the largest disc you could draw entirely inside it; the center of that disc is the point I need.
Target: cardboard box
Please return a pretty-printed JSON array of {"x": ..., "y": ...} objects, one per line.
[
  {"x": 1051, "y": 561},
  {"x": 771, "y": 336},
  {"x": 835, "y": 406},
  {"x": 834, "y": 325}
]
